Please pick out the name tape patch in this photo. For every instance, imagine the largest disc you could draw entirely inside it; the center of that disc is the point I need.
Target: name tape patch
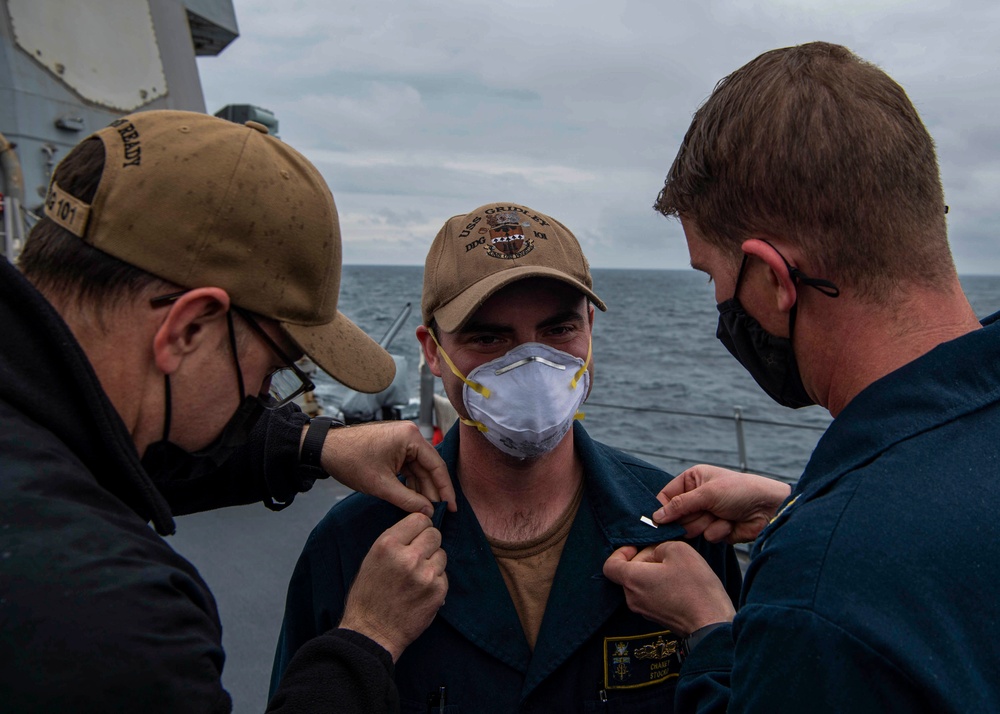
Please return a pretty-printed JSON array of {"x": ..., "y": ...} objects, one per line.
[{"x": 641, "y": 660}]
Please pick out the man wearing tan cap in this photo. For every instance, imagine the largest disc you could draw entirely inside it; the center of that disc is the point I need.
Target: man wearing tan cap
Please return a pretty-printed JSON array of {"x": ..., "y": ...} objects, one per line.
[
  {"x": 530, "y": 623},
  {"x": 147, "y": 367}
]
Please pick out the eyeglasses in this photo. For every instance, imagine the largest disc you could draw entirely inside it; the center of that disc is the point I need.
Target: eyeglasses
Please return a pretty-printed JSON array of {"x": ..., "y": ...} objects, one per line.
[{"x": 284, "y": 383}]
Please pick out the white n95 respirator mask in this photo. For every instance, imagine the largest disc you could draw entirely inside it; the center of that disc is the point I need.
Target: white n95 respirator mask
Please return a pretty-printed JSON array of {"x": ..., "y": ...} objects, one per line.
[{"x": 525, "y": 401}]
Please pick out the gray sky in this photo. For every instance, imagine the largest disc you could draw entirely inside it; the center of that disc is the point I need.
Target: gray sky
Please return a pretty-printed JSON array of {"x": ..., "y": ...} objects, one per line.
[{"x": 418, "y": 110}]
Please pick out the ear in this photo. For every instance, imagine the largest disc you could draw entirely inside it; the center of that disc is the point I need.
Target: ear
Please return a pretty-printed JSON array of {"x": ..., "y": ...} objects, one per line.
[
  {"x": 190, "y": 323},
  {"x": 430, "y": 349},
  {"x": 778, "y": 277},
  {"x": 590, "y": 315}
]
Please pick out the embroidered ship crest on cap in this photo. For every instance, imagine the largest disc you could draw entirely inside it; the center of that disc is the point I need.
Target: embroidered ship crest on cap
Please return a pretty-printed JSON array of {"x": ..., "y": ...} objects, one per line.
[{"x": 506, "y": 237}]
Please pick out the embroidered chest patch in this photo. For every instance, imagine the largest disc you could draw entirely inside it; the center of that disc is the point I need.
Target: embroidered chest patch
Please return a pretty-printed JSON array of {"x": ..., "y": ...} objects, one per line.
[{"x": 641, "y": 660}]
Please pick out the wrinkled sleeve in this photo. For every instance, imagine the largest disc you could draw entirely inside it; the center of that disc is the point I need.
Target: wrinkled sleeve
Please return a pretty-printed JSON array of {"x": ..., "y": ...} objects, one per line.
[
  {"x": 791, "y": 659},
  {"x": 723, "y": 561},
  {"x": 266, "y": 470},
  {"x": 340, "y": 671},
  {"x": 704, "y": 682}
]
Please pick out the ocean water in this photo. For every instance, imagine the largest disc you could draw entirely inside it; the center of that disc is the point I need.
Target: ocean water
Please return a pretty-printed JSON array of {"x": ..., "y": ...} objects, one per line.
[{"x": 655, "y": 351}]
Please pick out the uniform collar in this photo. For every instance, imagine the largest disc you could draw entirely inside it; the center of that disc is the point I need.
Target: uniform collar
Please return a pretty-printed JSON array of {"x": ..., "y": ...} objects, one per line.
[
  {"x": 956, "y": 378},
  {"x": 619, "y": 498}
]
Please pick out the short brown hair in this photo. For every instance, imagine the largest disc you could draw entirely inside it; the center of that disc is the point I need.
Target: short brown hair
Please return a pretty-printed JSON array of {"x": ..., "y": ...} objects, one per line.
[
  {"x": 814, "y": 144},
  {"x": 60, "y": 264}
]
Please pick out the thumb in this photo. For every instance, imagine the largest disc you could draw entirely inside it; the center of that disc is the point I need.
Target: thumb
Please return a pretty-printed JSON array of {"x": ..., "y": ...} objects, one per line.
[
  {"x": 405, "y": 531},
  {"x": 614, "y": 566},
  {"x": 396, "y": 493},
  {"x": 682, "y": 505}
]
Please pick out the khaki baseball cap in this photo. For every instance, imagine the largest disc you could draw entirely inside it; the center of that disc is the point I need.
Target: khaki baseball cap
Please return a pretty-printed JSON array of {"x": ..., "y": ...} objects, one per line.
[
  {"x": 201, "y": 201},
  {"x": 477, "y": 253}
]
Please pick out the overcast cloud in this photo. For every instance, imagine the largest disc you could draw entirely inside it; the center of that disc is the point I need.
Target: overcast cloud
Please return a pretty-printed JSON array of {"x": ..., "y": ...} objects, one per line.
[{"x": 415, "y": 111}]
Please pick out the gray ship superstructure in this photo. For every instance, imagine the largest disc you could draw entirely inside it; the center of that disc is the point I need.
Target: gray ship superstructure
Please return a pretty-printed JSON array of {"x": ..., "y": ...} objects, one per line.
[{"x": 69, "y": 67}]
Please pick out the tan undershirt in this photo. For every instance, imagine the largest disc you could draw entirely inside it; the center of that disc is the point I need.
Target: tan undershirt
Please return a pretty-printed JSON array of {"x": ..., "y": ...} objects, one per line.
[{"x": 529, "y": 568}]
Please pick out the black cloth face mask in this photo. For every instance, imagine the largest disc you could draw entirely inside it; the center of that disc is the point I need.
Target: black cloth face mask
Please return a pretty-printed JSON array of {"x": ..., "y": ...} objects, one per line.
[
  {"x": 165, "y": 461},
  {"x": 770, "y": 360}
]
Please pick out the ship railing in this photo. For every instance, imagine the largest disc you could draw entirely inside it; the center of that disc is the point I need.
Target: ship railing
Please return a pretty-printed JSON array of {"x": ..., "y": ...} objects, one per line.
[{"x": 738, "y": 419}]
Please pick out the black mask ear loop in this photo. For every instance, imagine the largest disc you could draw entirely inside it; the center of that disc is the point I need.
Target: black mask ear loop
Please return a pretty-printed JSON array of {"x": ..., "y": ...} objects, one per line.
[
  {"x": 797, "y": 276},
  {"x": 166, "y": 407},
  {"x": 739, "y": 275},
  {"x": 236, "y": 359}
]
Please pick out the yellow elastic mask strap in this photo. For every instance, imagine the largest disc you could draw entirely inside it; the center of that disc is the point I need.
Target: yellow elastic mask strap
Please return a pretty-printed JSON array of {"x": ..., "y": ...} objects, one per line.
[
  {"x": 474, "y": 386},
  {"x": 580, "y": 416},
  {"x": 580, "y": 372},
  {"x": 471, "y": 422}
]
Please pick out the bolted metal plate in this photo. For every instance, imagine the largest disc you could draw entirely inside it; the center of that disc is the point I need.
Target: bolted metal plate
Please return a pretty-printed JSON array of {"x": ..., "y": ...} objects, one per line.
[{"x": 104, "y": 50}]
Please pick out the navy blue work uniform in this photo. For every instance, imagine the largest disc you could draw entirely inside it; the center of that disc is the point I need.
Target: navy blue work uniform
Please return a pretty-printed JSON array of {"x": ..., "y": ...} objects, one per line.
[
  {"x": 592, "y": 652},
  {"x": 875, "y": 588}
]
